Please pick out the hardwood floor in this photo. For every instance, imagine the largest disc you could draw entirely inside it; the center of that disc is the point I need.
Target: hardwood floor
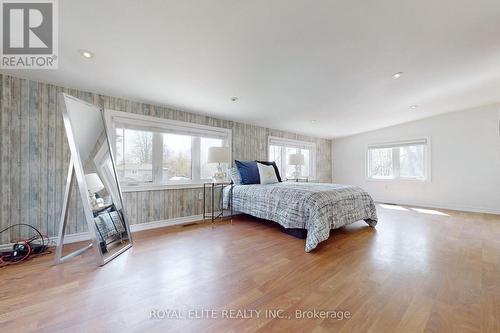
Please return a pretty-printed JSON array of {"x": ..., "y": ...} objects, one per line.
[{"x": 419, "y": 270}]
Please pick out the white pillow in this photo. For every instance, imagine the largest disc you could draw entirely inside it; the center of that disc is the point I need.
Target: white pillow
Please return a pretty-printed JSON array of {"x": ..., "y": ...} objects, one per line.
[
  {"x": 267, "y": 174},
  {"x": 234, "y": 174}
]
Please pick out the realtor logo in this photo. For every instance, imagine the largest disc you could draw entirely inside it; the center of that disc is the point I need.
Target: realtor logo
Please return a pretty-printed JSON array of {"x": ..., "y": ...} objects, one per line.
[{"x": 29, "y": 34}]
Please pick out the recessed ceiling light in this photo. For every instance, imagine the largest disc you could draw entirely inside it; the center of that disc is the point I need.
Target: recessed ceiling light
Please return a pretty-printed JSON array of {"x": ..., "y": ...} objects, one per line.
[
  {"x": 86, "y": 54},
  {"x": 313, "y": 121},
  {"x": 397, "y": 75},
  {"x": 234, "y": 99},
  {"x": 413, "y": 107}
]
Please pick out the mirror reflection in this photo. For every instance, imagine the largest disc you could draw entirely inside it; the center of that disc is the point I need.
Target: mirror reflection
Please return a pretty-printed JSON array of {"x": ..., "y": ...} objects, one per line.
[{"x": 99, "y": 175}]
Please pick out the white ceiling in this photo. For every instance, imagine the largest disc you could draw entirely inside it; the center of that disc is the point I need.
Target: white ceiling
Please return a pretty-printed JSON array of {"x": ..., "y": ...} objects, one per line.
[{"x": 288, "y": 61}]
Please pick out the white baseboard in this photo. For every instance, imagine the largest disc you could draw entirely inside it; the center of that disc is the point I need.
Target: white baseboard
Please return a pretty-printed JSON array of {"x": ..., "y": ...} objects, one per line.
[
  {"x": 83, "y": 236},
  {"x": 165, "y": 223},
  {"x": 461, "y": 208},
  {"x": 68, "y": 239},
  {"x": 73, "y": 238}
]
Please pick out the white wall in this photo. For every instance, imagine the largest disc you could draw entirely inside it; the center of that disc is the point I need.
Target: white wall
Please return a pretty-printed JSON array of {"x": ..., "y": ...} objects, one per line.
[{"x": 465, "y": 161}]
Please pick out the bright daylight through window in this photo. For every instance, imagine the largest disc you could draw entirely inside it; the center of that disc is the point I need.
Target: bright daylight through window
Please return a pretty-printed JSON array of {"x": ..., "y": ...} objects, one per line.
[
  {"x": 401, "y": 160},
  {"x": 152, "y": 151},
  {"x": 280, "y": 149}
]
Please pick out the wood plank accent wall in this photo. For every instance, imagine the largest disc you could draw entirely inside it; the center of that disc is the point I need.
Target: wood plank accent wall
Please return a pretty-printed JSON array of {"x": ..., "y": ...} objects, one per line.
[{"x": 34, "y": 157}]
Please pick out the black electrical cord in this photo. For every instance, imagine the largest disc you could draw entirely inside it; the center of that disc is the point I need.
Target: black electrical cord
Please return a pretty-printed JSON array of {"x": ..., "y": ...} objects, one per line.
[
  {"x": 27, "y": 244},
  {"x": 26, "y": 225}
]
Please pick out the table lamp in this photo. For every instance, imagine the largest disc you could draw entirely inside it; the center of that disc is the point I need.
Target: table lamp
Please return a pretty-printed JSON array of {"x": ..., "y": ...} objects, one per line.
[
  {"x": 219, "y": 155},
  {"x": 94, "y": 185},
  {"x": 297, "y": 160}
]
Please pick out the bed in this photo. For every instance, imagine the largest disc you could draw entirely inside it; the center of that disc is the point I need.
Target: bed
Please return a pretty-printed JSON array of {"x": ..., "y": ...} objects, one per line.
[{"x": 318, "y": 208}]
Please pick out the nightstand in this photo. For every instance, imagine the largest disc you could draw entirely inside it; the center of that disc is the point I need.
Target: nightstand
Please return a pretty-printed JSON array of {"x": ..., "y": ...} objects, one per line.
[
  {"x": 98, "y": 210},
  {"x": 297, "y": 180},
  {"x": 217, "y": 188}
]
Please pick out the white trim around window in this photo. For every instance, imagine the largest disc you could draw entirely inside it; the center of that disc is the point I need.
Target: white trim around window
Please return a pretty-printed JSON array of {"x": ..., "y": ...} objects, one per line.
[
  {"x": 290, "y": 143},
  {"x": 159, "y": 126},
  {"x": 394, "y": 148}
]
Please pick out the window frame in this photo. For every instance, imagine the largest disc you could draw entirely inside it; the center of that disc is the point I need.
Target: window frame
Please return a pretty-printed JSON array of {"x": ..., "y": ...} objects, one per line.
[
  {"x": 290, "y": 143},
  {"x": 107, "y": 176},
  {"x": 159, "y": 126},
  {"x": 395, "y": 145}
]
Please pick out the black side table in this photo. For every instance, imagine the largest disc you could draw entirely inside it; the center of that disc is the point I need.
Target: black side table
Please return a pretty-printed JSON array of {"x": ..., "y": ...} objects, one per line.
[
  {"x": 212, "y": 187},
  {"x": 304, "y": 180}
]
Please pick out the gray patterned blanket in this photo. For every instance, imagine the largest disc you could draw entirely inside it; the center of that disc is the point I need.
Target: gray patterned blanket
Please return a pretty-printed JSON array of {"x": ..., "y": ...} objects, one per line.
[{"x": 315, "y": 207}]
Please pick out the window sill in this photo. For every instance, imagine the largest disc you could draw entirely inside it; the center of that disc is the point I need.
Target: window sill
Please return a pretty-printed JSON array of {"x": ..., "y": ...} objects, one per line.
[
  {"x": 398, "y": 180},
  {"x": 145, "y": 188}
]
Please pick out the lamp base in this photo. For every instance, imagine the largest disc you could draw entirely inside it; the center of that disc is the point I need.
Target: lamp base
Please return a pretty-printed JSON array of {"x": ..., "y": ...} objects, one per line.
[
  {"x": 93, "y": 200},
  {"x": 296, "y": 173},
  {"x": 219, "y": 176}
]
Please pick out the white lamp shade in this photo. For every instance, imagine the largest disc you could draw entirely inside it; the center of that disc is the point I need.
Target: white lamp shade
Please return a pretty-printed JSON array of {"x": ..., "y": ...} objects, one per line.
[
  {"x": 296, "y": 159},
  {"x": 94, "y": 183},
  {"x": 219, "y": 155}
]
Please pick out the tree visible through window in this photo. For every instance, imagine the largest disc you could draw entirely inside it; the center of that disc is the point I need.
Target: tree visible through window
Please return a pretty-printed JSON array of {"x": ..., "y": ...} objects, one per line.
[
  {"x": 176, "y": 157},
  {"x": 406, "y": 160},
  {"x": 381, "y": 163},
  {"x": 163, "y": 157},
  {"x": 412, "y": 161},
  {"x": 134, "y": 155}
]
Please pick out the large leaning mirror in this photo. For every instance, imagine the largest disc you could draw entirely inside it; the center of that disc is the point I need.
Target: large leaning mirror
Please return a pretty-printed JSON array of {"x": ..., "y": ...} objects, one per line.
[{"x": 92, "y": 168}]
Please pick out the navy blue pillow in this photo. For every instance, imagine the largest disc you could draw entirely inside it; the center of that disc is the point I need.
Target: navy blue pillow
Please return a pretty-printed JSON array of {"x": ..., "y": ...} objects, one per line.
[
  {"x": 274, "y": 166},
  {"x": 249, "y": 172}
]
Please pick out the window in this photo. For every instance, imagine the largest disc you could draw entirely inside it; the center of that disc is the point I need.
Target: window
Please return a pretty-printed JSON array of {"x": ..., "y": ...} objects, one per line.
[
  {"x": 134, "y": 155},
  {"x": 152, "y": 151},
  {"x": 208, "y": 170},
  {"x": 280, "y": 149},
  {"x": 102, "y": 161},
  {"x": 177, "y": 161},
  {"x": 400, "y": 160}
]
